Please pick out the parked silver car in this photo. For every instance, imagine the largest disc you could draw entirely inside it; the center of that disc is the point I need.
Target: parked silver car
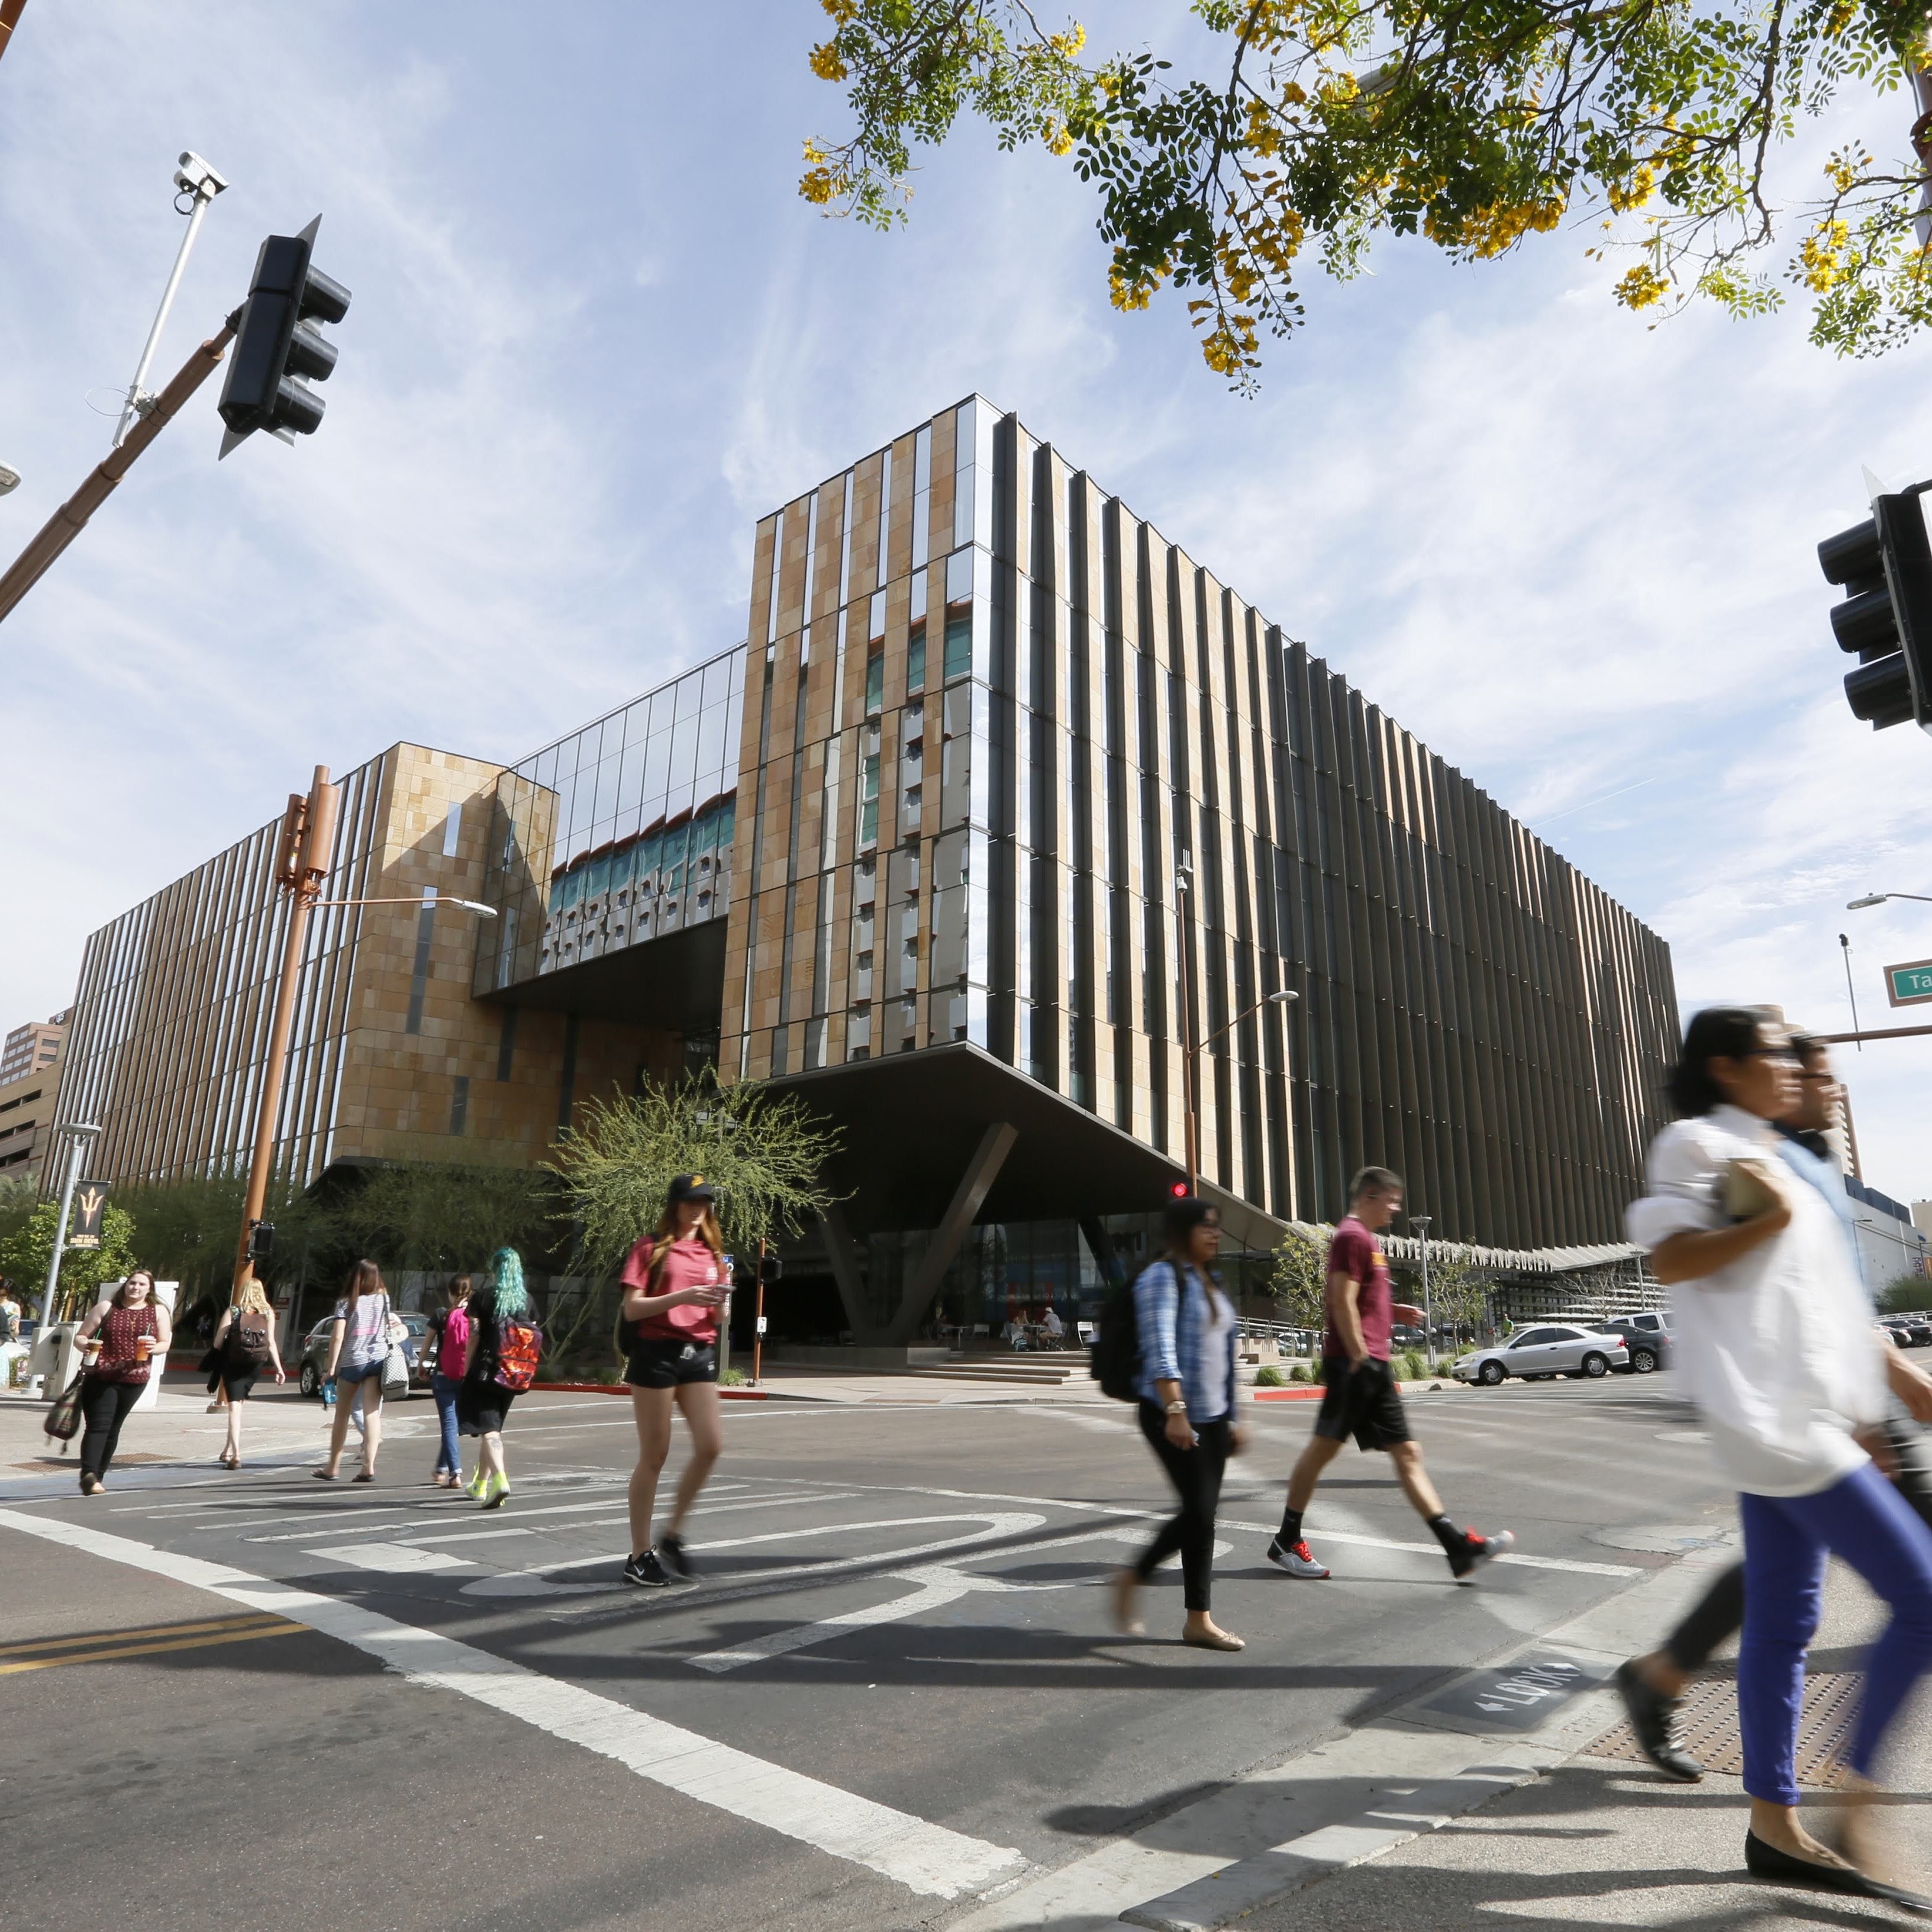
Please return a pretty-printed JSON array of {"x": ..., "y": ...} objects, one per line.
[{"x": 1541, "y": 1354}]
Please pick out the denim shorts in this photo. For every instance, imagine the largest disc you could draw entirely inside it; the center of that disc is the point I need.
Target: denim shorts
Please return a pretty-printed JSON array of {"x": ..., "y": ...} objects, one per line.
[{"x": 350, "y": 1373}]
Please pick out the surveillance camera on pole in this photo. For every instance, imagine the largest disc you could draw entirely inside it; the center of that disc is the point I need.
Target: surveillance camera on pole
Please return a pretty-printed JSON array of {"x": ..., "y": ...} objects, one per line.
[
  {"x": 277, "y": 345},
  {"x": 1884, "y": 564}
]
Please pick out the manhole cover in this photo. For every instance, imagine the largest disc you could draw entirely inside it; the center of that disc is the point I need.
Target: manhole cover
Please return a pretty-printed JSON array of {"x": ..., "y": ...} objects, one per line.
[{"x": 1707, "y": 1727}]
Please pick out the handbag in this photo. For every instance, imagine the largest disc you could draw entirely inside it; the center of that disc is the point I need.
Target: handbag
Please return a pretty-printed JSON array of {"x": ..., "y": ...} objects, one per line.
[
  {"x": 395, "y": 1371},
  {"x": 64, "y": 1418}
]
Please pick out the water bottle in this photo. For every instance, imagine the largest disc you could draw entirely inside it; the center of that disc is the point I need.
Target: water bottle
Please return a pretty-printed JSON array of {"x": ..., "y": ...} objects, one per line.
[{"x": 329, "y": 1393}]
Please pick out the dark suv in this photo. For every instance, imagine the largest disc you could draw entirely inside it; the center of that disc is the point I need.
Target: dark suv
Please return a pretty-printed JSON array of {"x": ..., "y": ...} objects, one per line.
[{"x": 1648, "y": 1338}]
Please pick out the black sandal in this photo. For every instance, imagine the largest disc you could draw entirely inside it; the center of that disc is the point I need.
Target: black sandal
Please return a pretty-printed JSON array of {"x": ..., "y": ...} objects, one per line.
[{"x": 366, "y": 1476}]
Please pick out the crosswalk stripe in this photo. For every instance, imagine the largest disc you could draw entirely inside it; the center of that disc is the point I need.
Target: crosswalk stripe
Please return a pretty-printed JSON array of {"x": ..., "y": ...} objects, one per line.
[{"x": 924, "y": 1857}]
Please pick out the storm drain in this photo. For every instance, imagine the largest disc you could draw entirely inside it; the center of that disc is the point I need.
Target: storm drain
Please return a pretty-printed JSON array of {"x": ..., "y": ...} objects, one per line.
[{"x": 1707, "y": 1727}]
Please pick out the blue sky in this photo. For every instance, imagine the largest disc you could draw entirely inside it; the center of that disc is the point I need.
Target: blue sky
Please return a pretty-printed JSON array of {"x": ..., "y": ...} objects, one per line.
[{"x": 596, "y": 335}]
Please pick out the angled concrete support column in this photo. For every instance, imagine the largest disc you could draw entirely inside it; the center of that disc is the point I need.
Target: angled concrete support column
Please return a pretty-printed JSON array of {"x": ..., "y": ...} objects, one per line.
[
  {"x": 982, "y": 1171},
  {"x": 845, "y": 1259}
]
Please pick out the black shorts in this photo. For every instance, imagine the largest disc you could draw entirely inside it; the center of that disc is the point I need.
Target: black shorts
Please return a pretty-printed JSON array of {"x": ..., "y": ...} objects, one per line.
[
  {"x": 1362, "y": 1402},
  {"x": 655, "y": 1363},
  {"x": 482, "y": 1407},
  {"x": 240, "y": 1383}
]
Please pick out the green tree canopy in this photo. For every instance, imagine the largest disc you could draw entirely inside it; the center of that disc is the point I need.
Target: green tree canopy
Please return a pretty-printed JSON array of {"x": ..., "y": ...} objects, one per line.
[
  {"x": 442, "y": 1218},
  {"x": 764, "y": 1152},
  {"x": 1299, "y": 1282},
  {"x": 1304, "y": 128},
  {"x": 25, "y": 1253}
]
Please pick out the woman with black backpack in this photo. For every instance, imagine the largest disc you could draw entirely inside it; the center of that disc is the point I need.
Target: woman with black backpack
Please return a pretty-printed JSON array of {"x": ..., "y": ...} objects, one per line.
[
  {"x": 505, "y": 1345},
  {"x": 245, "y": 1339},
  {"x": 1186, "y": 1328}
]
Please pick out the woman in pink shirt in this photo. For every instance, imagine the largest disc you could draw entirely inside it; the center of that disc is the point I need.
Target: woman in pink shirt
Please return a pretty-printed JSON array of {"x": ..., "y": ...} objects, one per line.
[{"x": 676, "y": 1282}]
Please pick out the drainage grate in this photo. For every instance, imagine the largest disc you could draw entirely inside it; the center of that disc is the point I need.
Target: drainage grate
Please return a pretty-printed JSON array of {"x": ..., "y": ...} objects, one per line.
[{"x": 1707, "y": 1726}]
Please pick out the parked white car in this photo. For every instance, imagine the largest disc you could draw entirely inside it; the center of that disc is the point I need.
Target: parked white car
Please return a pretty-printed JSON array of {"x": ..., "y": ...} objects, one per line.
[{"x": 1543, "y": 1353}]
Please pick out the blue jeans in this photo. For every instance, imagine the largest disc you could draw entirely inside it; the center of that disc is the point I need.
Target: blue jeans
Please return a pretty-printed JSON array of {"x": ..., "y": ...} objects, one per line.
[
  {"x": 1863, "y": 1519},
  {"x": 448, "y": 1455}
]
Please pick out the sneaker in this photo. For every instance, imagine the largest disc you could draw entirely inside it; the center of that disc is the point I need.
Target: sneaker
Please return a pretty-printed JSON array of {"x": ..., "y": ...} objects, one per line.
[
  {"x": 496, "y": 1491},
  {"x": 647, "y": 1572},
  {"x": 1653, "y": 1722},
  {"x": 1474, "y": 1549},
  {"x": 1296, "y": 1558},
  {"x": 476, "y": 1485},
  {"x": 671, "y": 1554}
]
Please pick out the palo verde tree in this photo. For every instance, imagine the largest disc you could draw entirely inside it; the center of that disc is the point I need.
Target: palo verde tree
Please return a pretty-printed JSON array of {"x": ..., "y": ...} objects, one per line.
[
  {"x": 1299, "y": 1282},
  {"x": 1314, "y": 127},
  {"x": 764, "y": 1152}
]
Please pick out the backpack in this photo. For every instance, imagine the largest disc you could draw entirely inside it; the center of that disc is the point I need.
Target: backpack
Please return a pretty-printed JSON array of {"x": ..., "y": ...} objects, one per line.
[
  {"x": 518, "y": 1347},
  {"x": 247, "y": 1339},
  {"x": 1116, "y": 1363}
]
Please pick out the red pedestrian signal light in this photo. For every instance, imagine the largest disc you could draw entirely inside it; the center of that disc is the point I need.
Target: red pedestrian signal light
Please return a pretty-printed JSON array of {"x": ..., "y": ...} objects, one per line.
[{"x": 1179, "y": 1190}]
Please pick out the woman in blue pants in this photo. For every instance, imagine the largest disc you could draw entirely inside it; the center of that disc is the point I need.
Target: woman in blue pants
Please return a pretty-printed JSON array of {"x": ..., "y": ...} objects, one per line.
[
  {"x": 1778, "y": 1347},
  {"x": 451, "y": 1326}
]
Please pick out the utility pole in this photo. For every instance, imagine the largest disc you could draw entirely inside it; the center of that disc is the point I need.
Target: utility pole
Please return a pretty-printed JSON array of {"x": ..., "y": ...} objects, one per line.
[
  {"x": 1184, "y": 886},
  {"x": 1420, "y": 1223},
  {"x": 308, "y": 842},
  {"x": 10, "y": 11},
  {"x": 81, "y": 1136},
  {"x": 758, "y": 1319},
  {"x": 1851, "y": 991},
  {"x": 70, "y": 519}
]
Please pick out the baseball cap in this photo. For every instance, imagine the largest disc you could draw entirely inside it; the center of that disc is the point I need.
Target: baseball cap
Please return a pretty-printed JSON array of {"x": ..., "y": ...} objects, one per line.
[{"x": 690, "y": 1187}]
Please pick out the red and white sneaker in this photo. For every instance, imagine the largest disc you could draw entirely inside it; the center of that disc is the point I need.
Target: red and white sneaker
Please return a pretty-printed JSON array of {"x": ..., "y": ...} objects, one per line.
[
  {"x": 1296, "y": 1559},
  {"x": 1474, "y": 1550}
]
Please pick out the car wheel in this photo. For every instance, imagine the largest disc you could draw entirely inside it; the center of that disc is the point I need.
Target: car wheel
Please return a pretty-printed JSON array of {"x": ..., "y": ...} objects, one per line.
[
  {"x": 311, "y": 1382},
  {"x": 1489, "y": 1374},
  {"x": 1642, "y": 1362},
  {"x": 1595, "y": 1365}
]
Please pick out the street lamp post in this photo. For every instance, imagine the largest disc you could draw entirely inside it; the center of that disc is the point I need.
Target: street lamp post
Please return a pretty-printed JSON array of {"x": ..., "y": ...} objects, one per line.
[
  {"x": 81, "y": 1136},
  {"x": 1420, "y": 1223},
  {"x": 307, "y": 845}
]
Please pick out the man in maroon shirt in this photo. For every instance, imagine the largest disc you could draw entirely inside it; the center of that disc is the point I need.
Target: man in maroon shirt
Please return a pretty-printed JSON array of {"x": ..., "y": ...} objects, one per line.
[{"x": 1359, "y": 1395}]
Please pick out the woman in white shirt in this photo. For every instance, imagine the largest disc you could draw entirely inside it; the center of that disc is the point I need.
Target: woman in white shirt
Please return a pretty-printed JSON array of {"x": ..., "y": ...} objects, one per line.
[{"x": 1776, "y": 1346}]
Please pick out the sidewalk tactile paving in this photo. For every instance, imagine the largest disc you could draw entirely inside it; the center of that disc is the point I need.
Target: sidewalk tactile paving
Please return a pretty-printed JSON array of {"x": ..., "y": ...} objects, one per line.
[{"x": 1707, "y": 1727}]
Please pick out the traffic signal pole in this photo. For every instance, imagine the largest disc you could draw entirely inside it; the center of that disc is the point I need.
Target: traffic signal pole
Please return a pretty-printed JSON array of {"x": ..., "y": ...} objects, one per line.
[
  {"x": 70, "y": 519},
  {"x": 308, "y": 838}
]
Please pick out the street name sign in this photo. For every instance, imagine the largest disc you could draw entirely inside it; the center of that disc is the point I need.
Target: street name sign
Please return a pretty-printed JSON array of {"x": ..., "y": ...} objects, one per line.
[{"x": 1909, "y": 985}]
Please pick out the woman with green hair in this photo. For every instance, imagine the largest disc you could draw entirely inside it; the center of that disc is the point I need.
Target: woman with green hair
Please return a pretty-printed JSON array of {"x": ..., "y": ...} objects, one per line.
[{"x": 505, "y": 1345}]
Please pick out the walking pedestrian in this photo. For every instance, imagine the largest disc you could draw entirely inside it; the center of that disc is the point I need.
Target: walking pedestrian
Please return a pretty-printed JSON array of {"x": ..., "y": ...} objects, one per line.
[
  {"x": 10, "y": 1332},
  {"x": 122, "y": 1338},
  {"x": 450, "y": 1326},
  {"x": 1187, "y": 1330},
  {"x": 1359, "y": 1396},
  {"x": 1776, "y": 1345},
  {"x": 244, "y": 1339},
  {"x": 502, "y": 1348},
  {"x": 1653, "y": 1685},
  {"x": 358, "y": 1346},
  {"x": 675, "y": 1282}
]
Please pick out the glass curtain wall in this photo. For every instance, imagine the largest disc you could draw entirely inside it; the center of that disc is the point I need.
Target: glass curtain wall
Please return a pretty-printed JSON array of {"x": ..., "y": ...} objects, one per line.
[{"x": 620, "y": 833}]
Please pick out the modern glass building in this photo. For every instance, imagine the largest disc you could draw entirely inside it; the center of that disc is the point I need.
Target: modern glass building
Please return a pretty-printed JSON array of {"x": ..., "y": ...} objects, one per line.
[{"x": 1007, "y": 811}]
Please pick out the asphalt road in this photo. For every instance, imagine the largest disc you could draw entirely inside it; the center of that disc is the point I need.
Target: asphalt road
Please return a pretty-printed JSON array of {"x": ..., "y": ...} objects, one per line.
[{"x": 893, "y": 1692}]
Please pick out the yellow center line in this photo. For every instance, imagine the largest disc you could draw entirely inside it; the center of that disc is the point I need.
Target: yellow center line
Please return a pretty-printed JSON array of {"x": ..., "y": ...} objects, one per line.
[
  {"x": 153, "y": 1649},
  {"x": 127, "y": 1636}
]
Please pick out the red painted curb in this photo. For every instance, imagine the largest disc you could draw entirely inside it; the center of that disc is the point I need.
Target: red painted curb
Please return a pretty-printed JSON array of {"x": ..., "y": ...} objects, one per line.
[
  {"x": 1287, "y": 1394},
  {"x": 623, "y": 1388}
]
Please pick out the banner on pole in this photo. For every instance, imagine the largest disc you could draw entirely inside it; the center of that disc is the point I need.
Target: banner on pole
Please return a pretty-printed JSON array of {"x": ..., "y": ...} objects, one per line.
[{"x": 90, "y": 1204}]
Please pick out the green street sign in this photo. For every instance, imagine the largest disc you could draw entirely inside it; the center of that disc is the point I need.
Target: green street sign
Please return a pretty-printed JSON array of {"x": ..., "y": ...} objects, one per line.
[{"x": 1909, "y": 985}]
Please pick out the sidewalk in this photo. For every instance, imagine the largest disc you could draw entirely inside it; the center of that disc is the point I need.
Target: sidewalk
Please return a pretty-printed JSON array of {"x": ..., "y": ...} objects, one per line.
[{"x": 1600, "y": 1840}]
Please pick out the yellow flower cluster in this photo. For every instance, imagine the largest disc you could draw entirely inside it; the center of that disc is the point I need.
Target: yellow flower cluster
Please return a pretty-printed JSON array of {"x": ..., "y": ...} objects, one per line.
[
  {"x": 844, "y": 11},
  {"x": 1128, "y": 292},
  {"x": 1057, "y": 140},
  {"x": 1488, "y": 231},
  {"x": 1232, "y": 347},
  {"x": 1626, "y": 195},
  {"x": 1820, "y": 253},
  {"x": 1068, "y": 44},
  {"x": 826, "y": 62},
  {"x": 820, "y": 183},
  {"x": 1641, "y": 287}
]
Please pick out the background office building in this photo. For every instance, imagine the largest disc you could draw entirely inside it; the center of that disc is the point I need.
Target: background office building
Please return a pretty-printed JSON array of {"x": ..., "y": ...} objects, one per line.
[
  {"x": 1005, "y": 800},
  {"x": 31, "y": 1049}
]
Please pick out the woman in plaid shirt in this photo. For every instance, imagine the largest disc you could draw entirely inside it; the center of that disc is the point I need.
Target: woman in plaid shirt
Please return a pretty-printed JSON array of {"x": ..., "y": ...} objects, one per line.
[{"x": 1187, "y": 1332}]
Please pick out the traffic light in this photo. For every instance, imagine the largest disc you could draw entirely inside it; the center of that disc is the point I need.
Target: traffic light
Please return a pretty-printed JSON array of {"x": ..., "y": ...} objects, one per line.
[
  {"x": 1177, "y": 1190},
  {"x": 261, "y": 1240},
  {"x": 277, "y": 345},
  {"x": 1885, "y": 565},
  {"x": 771, "y": 1270}
]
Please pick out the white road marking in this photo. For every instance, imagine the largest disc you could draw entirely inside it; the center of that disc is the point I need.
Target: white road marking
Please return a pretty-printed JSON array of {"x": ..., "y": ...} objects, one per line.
[
  {"x": 924, "y": 1857},
  {"x": 800, "y": 1637},
  {"x": 394, "y": 1559},
  {"x": 534, "y": 1581}
]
